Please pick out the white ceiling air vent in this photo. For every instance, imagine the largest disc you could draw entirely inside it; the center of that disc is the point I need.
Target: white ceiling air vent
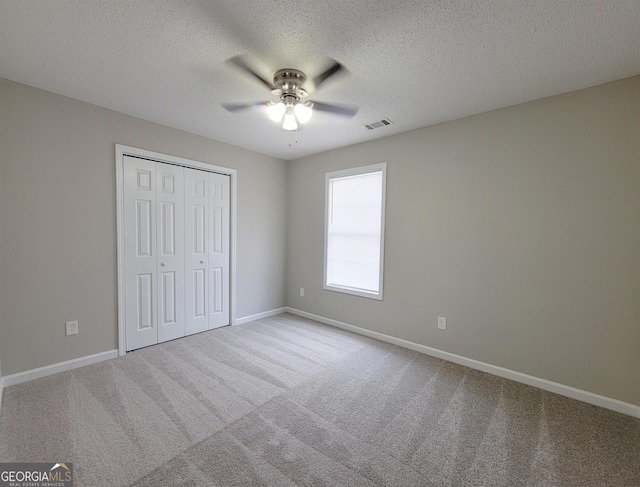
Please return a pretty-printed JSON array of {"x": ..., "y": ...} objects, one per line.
[{"x": 377, "y": 124}]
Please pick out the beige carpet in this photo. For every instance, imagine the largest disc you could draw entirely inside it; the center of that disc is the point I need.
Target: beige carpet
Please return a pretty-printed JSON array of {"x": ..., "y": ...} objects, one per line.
[{"x": 286, "y": 402}]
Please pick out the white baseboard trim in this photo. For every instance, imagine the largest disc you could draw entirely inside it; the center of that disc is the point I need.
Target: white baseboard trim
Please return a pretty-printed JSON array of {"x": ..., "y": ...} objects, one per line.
[
  {"x": 259, "y": 316},
  {"x": 27, "y": 375},
  {"x": 1, "y": 389},
  {"x": 547, "y": 385}
]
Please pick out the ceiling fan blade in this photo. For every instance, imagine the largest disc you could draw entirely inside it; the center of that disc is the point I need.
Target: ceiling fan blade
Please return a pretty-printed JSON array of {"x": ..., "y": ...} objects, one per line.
[
  {"x": 238, "y": 107},
  {"x": 335, "y": 68},
  {"x": 343, "y": 110},
  {"x": 240, "y": 63}
]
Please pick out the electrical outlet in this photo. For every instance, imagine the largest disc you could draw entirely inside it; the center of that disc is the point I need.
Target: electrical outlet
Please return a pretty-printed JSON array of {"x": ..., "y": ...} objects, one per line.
[
  {"x": 72, "y": 328},
  {"x": 442, "y": 323},
  {"x": 302, "y": 292}
]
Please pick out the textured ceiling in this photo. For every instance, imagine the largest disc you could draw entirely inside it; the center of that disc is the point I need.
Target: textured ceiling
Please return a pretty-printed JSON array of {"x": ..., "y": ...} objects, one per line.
[{"x": 416, "y": 62}]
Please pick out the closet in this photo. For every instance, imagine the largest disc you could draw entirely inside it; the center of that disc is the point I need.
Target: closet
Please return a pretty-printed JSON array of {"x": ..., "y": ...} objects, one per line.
[{"x": 176, "y": 251}]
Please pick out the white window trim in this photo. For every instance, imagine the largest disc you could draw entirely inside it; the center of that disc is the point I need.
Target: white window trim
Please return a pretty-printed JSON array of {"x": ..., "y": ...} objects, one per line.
[{"x": 352, "y": 172}]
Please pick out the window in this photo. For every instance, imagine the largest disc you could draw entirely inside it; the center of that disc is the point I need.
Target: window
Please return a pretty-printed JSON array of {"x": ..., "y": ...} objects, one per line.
[{"x": 354, "y": 230}]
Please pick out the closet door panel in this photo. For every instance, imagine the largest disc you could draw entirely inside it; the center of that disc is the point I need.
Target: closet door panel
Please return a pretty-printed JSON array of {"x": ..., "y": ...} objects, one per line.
[
  {"x": 170, "y": 241},
  {"x": 219, "y": 251},
  {"x": 196, "y": 246},
  {"x": 140, "y": 252}
]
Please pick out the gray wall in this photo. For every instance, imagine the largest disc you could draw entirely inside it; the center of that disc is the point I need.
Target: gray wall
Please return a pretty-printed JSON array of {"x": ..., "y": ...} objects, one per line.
[
  {"x": 58, "y": 222},
  {"x": 521, "y": 226}
]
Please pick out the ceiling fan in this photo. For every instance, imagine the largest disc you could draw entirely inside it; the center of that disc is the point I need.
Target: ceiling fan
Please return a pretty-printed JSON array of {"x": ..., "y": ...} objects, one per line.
[{"x": 288, "y": 86}]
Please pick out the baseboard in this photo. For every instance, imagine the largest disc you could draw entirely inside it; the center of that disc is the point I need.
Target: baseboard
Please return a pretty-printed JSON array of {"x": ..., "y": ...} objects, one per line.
[
  {"x": 259, "y": 316},
  {"x": 1, "y": 389},
  {"x": 27, "y": 375},
  {"x": 563, "y": 390}
]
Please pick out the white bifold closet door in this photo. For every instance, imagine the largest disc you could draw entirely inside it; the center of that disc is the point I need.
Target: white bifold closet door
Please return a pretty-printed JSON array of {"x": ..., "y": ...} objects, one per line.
[
  {"x": 164, "y": 239},
  {"x": 207, "y": 250}
]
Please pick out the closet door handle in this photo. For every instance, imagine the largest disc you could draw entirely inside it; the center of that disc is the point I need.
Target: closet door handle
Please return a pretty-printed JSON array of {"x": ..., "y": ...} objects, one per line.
[
  {"x": 163, "y": 264},
  {"x": 202, "y": 261}
]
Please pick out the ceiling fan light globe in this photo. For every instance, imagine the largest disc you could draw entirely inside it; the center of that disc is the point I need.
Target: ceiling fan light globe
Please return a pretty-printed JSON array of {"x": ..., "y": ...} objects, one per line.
[
  {"x": 303, "y": 112},
  {"x": 289, "y": 122},
  {"x": 276, "y": 111}
]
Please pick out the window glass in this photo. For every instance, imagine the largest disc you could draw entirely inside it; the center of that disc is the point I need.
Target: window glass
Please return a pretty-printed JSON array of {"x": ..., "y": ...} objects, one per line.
[{"x": 355, "y": 230}]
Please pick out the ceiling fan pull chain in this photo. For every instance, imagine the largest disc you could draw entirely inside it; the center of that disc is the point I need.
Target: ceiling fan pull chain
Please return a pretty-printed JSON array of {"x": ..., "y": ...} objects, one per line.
[{"x": 292, "y": 134}]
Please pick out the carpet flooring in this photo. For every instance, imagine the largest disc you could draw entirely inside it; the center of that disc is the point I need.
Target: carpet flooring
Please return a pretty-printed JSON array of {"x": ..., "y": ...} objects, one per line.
[{"x": 286, "y": 401}]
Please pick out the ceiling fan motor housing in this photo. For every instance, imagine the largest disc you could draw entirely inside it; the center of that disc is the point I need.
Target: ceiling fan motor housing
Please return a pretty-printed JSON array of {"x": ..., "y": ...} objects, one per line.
[{"x": 288, "y": 86}]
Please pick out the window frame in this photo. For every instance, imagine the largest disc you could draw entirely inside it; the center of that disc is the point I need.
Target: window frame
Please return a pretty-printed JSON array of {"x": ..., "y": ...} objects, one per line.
[{"x": 355, "y": 171}]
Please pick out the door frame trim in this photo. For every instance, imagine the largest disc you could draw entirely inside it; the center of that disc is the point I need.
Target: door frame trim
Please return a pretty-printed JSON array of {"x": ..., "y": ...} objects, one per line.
[{"x": 123, "y": 150}]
